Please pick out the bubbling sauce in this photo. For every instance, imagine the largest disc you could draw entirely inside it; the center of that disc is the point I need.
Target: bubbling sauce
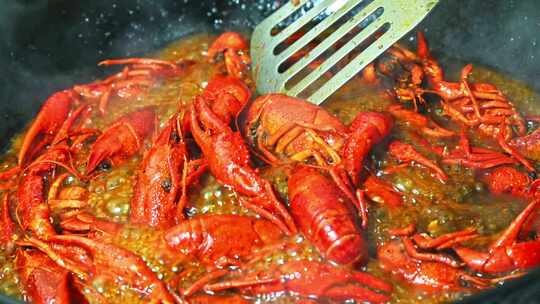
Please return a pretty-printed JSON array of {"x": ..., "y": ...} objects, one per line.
[{"x": 434, "y": 207}]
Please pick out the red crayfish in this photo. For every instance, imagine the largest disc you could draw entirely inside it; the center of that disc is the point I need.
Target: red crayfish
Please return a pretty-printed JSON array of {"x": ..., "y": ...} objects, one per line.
[
  {"x": 475, "y": 105},
  {"x": 506, "y": 253},
  {"x": 162, "y": 178},
  {"x": 44, "y": 280},
  {"x": 324, "y": 215},
  {"x": 208, "y": 238},
  {"x": 48, "y": 122},
  {"x": 284, "y": 129},
  {"x": 33, "y": 209},
  {"x": 435, "y": 271},
  {"x": 235, "y": 51},
  {"x": 122, "y": 139},
  {"x": 228, "y": 160},
  {"x": 136, "y": 77},
  {"x": 428, "y": 275},
  {"x": 310, "y": 279},
  {"x": 95, "y": 261}
]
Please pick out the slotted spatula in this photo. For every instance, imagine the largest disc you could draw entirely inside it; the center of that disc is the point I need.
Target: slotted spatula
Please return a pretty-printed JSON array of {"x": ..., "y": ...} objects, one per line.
[{"x": 364, "y": 21}]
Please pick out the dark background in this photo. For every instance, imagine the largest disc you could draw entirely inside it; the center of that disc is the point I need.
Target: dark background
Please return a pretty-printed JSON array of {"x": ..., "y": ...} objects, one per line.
[{"x": 50, "y": 45}]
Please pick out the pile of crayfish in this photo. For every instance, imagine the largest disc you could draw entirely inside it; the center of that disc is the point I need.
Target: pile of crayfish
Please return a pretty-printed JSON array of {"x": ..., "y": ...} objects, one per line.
[{"x": 314, "y": 212}]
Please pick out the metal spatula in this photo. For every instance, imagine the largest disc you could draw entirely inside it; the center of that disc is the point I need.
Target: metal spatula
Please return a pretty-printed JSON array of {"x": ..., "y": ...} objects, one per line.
[{"x": 364, "y": 29}]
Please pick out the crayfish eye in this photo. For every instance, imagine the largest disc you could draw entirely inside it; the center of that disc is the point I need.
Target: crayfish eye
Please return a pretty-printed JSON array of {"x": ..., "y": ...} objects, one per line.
[
  {"x": 175, "y": 137},
  {"x": 104, "y": 166},
  {"x": 166, "y": 184},
  {"x": 464, "y": 283},
  {"x": 252, "y": 131},
  {"x": 532, "y": 175}
]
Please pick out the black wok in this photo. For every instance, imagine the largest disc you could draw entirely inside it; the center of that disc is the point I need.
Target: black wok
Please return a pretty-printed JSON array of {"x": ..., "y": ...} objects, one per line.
[{"x": 49, "y": 45}]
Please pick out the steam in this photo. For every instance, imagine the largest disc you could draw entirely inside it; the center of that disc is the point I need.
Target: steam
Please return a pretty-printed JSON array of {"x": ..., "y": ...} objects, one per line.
[{"x": 46, "y": 46}]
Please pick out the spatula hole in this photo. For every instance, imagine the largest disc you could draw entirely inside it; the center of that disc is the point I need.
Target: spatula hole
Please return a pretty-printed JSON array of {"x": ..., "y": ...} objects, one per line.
[
  {"x": 298, "y": 12},
  {"x": 340, "y": 65},
  {"x": 326, "y": 13},
  {"x": 298, "y": 34},
  {"x": 290, "y": 39},
  {"x": 319, "y": 61},
  {"x": 305, "y": 51}
]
